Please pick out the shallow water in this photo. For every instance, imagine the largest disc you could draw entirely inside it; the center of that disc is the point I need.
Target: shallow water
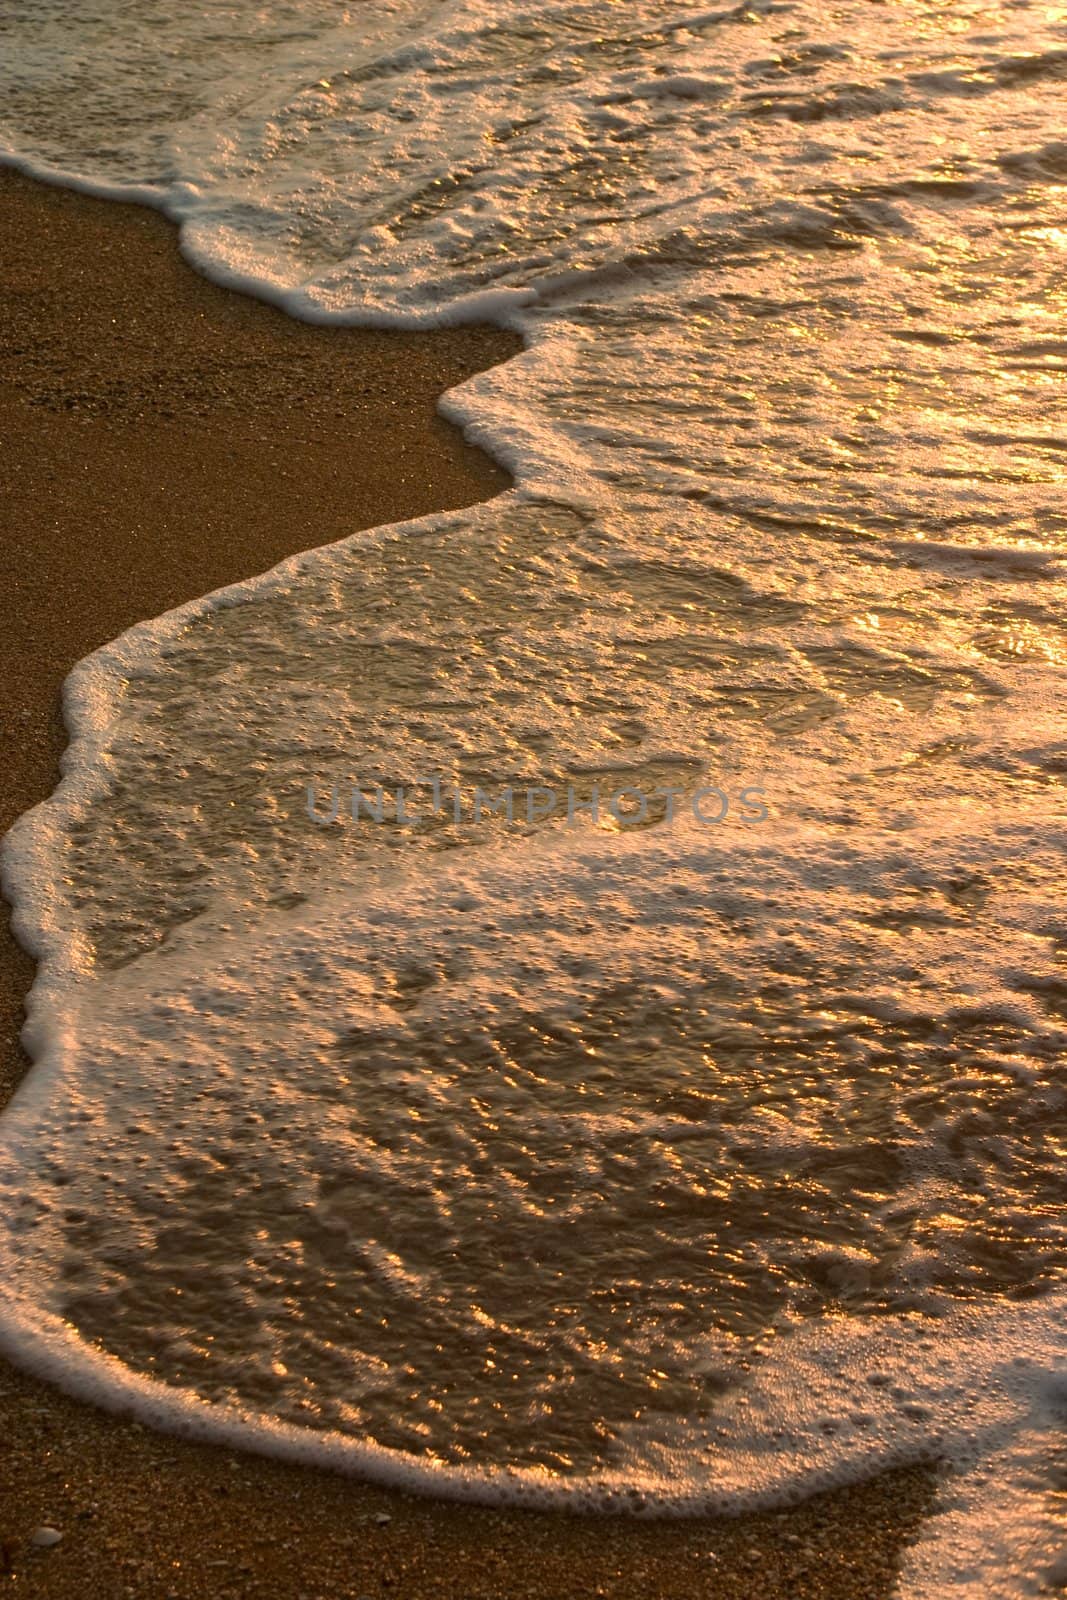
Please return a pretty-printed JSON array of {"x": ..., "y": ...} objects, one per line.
[{"x": 590, "y": 1157}]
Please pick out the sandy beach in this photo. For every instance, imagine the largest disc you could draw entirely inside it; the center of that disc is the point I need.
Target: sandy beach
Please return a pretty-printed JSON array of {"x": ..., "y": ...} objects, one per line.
[{"x": 164, "y": 437}]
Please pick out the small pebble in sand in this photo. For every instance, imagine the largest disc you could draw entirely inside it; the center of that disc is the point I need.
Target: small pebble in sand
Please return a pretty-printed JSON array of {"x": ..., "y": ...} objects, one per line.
[
  {"x": 45, "y": 1538},
  {"x": 381, "y": 1518}
]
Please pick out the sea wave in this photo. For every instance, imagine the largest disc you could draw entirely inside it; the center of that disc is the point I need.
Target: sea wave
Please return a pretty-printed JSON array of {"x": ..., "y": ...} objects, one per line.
[{"x": 665, "y": 1168}]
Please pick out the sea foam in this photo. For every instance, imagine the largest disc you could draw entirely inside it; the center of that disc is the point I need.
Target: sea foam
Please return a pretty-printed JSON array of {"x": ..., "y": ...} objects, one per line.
[{"x": 666, "y": 1168}]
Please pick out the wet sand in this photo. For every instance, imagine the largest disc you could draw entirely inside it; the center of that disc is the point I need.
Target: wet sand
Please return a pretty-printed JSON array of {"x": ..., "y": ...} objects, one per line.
[{"x": 162, "y": 437}]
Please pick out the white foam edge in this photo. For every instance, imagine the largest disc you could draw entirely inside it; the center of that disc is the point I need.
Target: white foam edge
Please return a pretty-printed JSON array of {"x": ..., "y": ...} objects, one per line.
[
  {"x": 500, "y": 307},
  {"x": 1011, "y": 1563},
  {"x": 92, "y": 694},
  {"x": 507, "y": 438},
  {"x": 43, "y": 1345}
]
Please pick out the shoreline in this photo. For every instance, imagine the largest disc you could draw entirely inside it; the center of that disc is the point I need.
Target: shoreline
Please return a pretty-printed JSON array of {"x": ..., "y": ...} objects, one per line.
[{"x": 165, "y": 437}]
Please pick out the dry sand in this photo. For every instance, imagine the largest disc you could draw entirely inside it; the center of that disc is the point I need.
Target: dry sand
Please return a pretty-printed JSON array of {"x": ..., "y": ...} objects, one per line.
[{"x": 161, "y": 437}]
